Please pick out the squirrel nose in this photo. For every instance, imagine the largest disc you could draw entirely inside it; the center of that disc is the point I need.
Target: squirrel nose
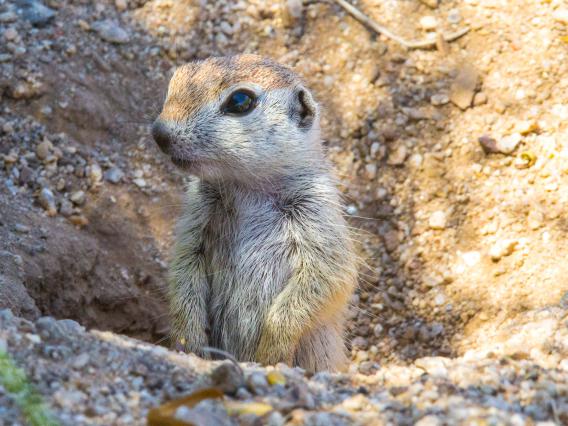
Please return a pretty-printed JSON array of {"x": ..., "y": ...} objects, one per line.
[{"x": 161, "y": 135}]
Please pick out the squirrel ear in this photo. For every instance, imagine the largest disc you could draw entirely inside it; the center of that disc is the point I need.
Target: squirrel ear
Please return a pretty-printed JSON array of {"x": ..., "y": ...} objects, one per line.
[{"x": 304, "y": 108}]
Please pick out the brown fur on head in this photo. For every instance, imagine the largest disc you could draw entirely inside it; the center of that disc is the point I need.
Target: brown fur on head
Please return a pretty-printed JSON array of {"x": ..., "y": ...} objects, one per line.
[{"x": 201, "y": 82}]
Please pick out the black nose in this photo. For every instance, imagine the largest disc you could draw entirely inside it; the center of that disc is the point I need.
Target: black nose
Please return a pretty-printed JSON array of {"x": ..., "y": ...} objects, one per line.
[{"x": 161, "y": 135}]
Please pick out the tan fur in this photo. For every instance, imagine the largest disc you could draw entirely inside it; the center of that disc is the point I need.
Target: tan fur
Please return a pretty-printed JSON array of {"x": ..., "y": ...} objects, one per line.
[{"x": 263, "y": 265}]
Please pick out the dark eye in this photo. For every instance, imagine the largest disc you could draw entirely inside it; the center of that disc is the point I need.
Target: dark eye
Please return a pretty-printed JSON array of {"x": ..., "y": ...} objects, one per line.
[{"x": 239, "y": 103}]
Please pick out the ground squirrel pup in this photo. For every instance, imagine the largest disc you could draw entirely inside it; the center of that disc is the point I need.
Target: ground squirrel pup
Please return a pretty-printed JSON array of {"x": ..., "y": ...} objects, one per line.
[{"x": 263, "y": 265}]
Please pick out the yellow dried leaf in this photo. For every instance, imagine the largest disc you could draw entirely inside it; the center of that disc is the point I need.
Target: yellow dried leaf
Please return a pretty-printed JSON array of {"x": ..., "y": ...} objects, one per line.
[
  {"x": 525, "y": 160},
  {"x": 164, "y": 414},
  {"x": 276, "y": 378},
  {"x": 564, "y": 39},
  {"x": 256, "y": 408}
]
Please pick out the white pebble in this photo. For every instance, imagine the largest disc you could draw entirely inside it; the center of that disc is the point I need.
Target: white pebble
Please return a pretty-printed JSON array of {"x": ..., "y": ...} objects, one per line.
[
  {"x": 428, "y": 23},
  {"x": 437, "y": 220}
]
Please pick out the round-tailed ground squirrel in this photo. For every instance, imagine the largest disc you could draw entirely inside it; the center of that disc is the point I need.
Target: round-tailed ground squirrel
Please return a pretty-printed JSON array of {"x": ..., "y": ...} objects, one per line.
[{"x": 263, "y": 264}]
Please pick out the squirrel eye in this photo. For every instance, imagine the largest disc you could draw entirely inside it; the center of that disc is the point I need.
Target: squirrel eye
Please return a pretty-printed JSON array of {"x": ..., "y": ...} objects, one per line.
[{"x": 239, "y": 103}]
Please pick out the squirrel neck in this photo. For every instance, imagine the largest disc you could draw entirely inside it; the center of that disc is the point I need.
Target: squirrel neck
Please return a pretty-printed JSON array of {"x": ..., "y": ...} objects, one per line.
[{"x": 305, "y": 182}]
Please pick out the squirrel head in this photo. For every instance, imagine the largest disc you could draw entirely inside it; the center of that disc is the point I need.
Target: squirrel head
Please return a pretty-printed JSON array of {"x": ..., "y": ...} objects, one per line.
[{"x": 242, "y": 118}]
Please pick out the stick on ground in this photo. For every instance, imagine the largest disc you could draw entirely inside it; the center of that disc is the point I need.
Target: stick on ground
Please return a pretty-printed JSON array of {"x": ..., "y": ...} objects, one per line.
[{"x": 369, "y": 23}]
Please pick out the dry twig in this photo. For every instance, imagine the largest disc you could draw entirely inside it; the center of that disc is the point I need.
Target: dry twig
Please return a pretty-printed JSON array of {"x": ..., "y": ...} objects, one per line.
[{"x": 418, "y": 44}]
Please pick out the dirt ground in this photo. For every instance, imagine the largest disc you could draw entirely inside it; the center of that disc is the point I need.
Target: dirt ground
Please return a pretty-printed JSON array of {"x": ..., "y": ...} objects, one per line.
[{"x": 453, "y": 163}]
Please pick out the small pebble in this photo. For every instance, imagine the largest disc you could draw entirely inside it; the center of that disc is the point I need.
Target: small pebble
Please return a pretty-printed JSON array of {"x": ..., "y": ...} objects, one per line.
[
  {"x": 47, "y": 201},
  {"x": 398, "y": 156},
  {"x": 114, "y": 175},
  {"x": 34, "y": 12},
  {"x": 480, "y": 98},
  {"x": 439, "y": 99},
  {"x": 21, "y": 229},
  {"x": 371, "y": 171},
  {"x": 78, "y": 198},
  {"x": 95, "y": 174},
  {"x": 428, "y": 23},
  {"x": 110, "y": 31},
  {"x": 438, "y": 220},
  {"x": 454, "y": 16},
  {"x": 10, "y": 34},
  {"x": 502, "y": 248},
  {"x": 121, "y": 5},
  {"x": 228, "y": 377},
  {"x": 508, "y": 144}
]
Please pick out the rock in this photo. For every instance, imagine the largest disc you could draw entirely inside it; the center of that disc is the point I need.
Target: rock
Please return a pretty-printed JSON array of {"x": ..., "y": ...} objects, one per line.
[
  {"x": 359, "y": 342},
  {"x": 416, "y": 160},
  {"x": 140, "y": 182},
  {"x": 294, "y": 9},
  {"x": 415, "y": 114},
  {"x": 429, "y": 420},
  {"x": 561, "y": 15},
  {"x": 437, "y": 220},
  {"x": 535, "y": 219},
  {"x": 454, "y": 16},
  {"x": 110, "y": 31},
  {"x": 78, "y": 220},
  {"x": 505, "y": 145},
  {"x": 206, "y": 413},
  {"x": 435, "y": 366},
  {"x": 121, "y": 5},
  {"x": 26, "y": 90},
  {"x": 95, "y": 174},
  {"x": 228, "y": 377},
  {"x": 34, "y": 12},
  {"x": 10, "y": 34},
  {"x": 378, "y": 330},
  {"x": 114, "y": 175},
  {"x": 44, "y": 149},
  {"x": 480, "y": 98},
  {"x": 7, "y": 17},
  {"x": 371, "y": 171},
  {"x": 391, "y": 240},
  {"x": 502, "y": 248},
  {"x": 428, "y": 23},
  {"x": 439, "y": 99},
  {"x": 488, "y": 144},
  {"x": 26, "y": 175},
  {"x": 47, "y": 201},
  {"x": 257, "y": 383},
  {"x": 375, "y": 146},
  {"x": 508, "y": 144},
  {"x": 78, "y": 198},
  {"x": 397, "y": 156},
  {"x": 69, "y": 398},
  {"x": 381, "y": 193},
  {"x": 328, "y": 419},
  {"x": 21, "y": 229},
  {"x": 471, "y": 258},
  {"x": 464, "y": 86},
  {"x": 81, "y": 361},
  {"x": 351, "y": 210},
  {"x": 66, "y": 208}
]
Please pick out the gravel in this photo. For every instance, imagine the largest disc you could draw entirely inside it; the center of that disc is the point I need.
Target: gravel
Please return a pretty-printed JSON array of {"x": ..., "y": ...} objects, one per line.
[{"x": 99, "y": 377}]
